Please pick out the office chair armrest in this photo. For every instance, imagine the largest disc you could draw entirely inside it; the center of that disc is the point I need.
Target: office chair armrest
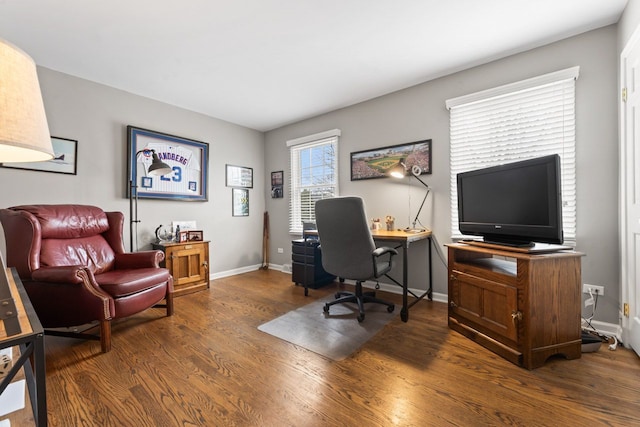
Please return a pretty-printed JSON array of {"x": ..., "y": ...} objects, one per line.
[
  {"x": 380, "y": 268},
  {"x": 384, "y": 250}
]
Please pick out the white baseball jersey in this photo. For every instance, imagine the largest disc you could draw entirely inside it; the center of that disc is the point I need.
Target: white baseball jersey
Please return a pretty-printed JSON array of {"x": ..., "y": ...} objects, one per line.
[{"x": 185, "y": 176}]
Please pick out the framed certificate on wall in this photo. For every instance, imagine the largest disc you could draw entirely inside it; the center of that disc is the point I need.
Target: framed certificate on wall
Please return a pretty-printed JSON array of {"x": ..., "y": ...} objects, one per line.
[{"x": 187, "y": 158}]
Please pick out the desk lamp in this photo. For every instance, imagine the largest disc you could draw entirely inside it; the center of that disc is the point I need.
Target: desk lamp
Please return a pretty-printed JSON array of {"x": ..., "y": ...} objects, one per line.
[
  {"x": 400, "y": 171},
  {"x": 157, "y": 168}
]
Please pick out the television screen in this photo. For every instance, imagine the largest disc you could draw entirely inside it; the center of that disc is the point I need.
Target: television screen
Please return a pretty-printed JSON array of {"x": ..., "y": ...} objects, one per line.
[{"x": 517, "y": 203}]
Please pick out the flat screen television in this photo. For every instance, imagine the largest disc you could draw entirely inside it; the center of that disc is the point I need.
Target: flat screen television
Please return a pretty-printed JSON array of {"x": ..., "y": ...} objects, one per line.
[{"x": 515, "y": 204}]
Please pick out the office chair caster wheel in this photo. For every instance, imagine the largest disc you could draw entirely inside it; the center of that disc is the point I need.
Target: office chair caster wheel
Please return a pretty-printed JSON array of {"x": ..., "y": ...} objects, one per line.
[
  {"x": 391, "y": 308},
  {"x": 360, "y": 317},
  {"x": 325, "y": 308}
]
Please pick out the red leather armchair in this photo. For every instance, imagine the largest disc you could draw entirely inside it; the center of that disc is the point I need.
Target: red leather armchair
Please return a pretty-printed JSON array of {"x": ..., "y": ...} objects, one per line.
[{"x": 73, "y": 264}]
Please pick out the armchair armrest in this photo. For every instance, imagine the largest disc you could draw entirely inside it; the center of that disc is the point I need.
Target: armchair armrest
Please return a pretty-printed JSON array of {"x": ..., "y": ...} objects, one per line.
[
  {"x": 143, "y": 259},
  {"x": 61, "y": 274},
  {"x": 382, "y": 266}
]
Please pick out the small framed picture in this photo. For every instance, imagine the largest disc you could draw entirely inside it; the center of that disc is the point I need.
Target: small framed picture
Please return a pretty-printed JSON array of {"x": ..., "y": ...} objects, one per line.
[
  {"x": 194, "y": 235},
  {"x": 239, "y": 202},
  {"x": 183, "y": 236},
  {"x": 277, "y": 184},
  {"x": 239, "y": 176}
]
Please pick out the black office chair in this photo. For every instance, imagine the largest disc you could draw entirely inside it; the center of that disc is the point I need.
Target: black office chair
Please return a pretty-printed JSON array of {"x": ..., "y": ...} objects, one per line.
[{"x": 348, "y": 250}]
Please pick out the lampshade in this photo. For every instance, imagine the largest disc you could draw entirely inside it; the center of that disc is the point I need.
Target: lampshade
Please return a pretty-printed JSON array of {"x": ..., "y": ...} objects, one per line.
[
  {"x": 24, "y": 132},
  {"x": 158, "y": 167}
]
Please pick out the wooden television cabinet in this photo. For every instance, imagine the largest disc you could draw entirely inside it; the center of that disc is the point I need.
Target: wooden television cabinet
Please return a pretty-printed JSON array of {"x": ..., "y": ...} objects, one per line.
[{"x": 523, "y": 306}]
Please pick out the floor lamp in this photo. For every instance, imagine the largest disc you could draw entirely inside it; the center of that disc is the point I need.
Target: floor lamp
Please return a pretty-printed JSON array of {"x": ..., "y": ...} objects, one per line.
[
  {"x": 24, "y": 131},
  {"x": 400, "y": 171},
  {"x": 157, "y": 168}
]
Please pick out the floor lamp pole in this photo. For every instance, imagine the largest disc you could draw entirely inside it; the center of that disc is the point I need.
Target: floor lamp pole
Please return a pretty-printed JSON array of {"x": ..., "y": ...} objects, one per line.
[
  {"x": 133, "y": 211},
  {"x": 157, "y": 168}
]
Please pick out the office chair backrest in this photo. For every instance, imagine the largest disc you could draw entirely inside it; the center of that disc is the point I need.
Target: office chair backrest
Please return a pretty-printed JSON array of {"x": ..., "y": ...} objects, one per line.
[{"x": 345, "y": 238}]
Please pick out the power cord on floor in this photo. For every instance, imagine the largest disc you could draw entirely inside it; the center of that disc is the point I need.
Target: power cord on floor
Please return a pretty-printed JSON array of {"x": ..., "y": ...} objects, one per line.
[{"x": 592, "y": 330}]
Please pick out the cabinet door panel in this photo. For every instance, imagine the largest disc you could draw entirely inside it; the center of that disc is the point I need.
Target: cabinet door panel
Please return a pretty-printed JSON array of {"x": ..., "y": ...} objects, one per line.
[
  {"x": 487, "y": 304},
  {"x": 187, "y": 266}
]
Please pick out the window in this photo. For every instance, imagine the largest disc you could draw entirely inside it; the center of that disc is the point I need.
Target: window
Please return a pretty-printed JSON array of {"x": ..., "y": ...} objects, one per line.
[
  {"x": 531, "y": 118},
  {"x": 314, "y": 175}
]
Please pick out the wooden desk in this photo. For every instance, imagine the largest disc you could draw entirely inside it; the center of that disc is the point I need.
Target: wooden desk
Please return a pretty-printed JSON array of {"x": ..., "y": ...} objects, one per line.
[
  {"x": 20, "y": 327},
  {"x": 401, "y": 239},
  {"x": 404, "y": 239}
]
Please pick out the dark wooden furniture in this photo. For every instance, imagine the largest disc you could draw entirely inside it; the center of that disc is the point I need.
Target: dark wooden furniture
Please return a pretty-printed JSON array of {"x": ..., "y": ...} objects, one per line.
[
  {"x": 306, "y": 266},
  {"x": 188, "y": 263},
  {"x": 524, "y": 307},
  {"x": 21, "y": 328}
]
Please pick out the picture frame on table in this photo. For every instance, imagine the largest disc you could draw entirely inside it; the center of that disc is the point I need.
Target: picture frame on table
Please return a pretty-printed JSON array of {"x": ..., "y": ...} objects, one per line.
[
  {"x": 65, "y": 158},
  {"x": 195, "y": 235},
  {"x": 377, "y": 162},
  {"x": 188, "y": 159},
  {"x": 238, "y": 176}
]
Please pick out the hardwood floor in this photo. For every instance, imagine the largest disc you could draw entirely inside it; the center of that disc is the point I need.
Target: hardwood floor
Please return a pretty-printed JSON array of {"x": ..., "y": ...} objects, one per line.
[{"x": 208, "y": 365}]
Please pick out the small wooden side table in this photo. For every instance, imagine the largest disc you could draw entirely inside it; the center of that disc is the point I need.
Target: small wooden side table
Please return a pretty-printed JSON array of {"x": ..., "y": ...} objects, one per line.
[{"x": 188, "y": 263}]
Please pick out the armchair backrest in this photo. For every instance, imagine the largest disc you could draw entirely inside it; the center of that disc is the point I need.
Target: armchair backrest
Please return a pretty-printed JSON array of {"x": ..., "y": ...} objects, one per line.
[
  {"x": 345, "y": 239},
  {"x": 58, "y": 235}
]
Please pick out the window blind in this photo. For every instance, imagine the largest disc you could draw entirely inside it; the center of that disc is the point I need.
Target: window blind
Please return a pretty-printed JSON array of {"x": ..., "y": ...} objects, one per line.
[
  {"x": 531, "y": 118},
  {"x": 314, "y": 175}
]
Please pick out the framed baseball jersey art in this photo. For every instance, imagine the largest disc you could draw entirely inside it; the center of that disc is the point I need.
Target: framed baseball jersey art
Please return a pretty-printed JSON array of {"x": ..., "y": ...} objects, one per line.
[{"x": 187, "y": 158}]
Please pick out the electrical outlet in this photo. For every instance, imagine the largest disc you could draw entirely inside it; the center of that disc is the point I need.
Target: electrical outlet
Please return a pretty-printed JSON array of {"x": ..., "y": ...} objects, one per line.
[
  {"x": 594, "y": 289},
  {"x": 280, "y": 250}
]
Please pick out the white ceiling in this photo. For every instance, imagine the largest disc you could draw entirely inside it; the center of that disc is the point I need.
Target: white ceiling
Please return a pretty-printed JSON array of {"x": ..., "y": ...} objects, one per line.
[{"x": 267, "y": 63}]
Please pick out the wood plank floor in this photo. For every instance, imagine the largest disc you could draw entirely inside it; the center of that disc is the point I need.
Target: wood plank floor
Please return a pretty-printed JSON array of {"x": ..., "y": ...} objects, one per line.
[{"x": 208, "y": 365}]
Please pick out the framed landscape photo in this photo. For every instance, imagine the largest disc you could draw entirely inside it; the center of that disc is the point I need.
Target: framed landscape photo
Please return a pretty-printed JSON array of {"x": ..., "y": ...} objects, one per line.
[
  {"x": 239, "y": 176},
  {"x": 239, "y": 202},
  {"x": 376, "y": 163},
  {"x": 65, "y": 158},
  {"x": 187, "y": 158}
]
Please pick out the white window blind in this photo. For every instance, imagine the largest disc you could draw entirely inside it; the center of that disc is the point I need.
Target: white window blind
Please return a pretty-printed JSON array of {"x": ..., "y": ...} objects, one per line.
[
  {"x": 314, "y": 175},
  {"x": 531, "y": 118}
]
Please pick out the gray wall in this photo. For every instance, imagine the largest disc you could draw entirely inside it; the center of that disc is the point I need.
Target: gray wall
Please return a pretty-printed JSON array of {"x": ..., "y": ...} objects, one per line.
[
  {"x": 97, "y": 117},
  {"x": 419, "y": 112}
]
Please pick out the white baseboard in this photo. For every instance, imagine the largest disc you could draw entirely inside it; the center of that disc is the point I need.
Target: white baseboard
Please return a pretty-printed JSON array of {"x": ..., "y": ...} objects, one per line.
[
  {"x": 235, "y": 271},
  {"x": 607, "y": 329}
]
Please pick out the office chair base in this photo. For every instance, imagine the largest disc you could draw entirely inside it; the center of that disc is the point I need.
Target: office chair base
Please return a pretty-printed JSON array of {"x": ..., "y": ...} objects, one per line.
[{"x": 359, "y": 298}]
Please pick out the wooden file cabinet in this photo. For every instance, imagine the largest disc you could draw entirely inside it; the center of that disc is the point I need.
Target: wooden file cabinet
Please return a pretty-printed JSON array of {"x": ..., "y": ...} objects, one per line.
[
  {"x": 523, "y": 307},
  {"x": 188, "y": 263}
]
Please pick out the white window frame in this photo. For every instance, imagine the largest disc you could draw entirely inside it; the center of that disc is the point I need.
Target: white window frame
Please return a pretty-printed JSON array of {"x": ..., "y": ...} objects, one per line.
[
  {"x": 518, "y": 121},
  {"x": 327, "y": 187}
]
